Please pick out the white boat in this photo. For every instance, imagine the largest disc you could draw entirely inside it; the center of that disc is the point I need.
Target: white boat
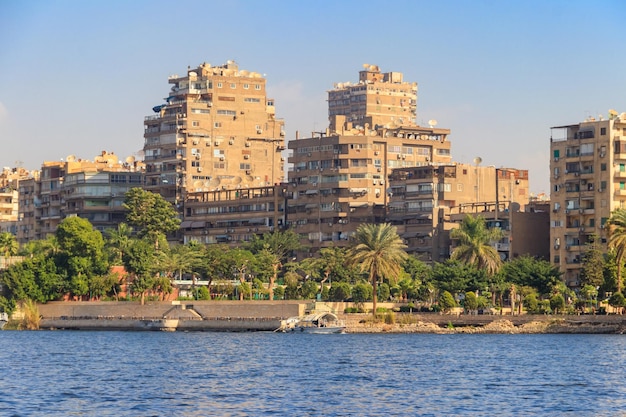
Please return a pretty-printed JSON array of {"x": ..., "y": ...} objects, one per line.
[
  {"x": 319, "y": 323},
  {"x": 4, "y": 319}
]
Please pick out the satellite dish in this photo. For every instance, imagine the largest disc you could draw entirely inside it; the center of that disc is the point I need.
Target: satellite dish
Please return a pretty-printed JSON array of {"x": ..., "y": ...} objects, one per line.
[
  {"x": 366, "y": 66},
  {"x": 70, "y": 158},
  {"x": 432, "y": 123},
  {"x": 478, "y": 160},
  {"x": 130, "y": 159}
]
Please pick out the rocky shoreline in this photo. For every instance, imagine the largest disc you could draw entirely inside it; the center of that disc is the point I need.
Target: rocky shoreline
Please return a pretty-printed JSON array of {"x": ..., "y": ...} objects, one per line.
[{"x": 497, "y": 326}]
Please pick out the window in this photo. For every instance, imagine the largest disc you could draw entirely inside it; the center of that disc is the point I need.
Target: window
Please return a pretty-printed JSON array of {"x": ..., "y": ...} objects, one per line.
[
  {"x": 227, "y": 112},
  {"x": 217, "y": 125},
  {"x": 219, "y": 85},
  {"x": 252, "y": 100},
  {"x": 195, "y": 123},
  {"x": 459, "y": 187},
  {"x": 244, "y": 167},
  {"x": 557, "y": 152},
  {"x": 602, "y": 167},
  {"x": 603, "y": 130},
  {"x": 195, "y": 163},
  {"x": 233, "y": 86},
  {"x": 219, "y": 165},
  {"x": 257, "y": 86},
  {"x": 246, "y": 86}
]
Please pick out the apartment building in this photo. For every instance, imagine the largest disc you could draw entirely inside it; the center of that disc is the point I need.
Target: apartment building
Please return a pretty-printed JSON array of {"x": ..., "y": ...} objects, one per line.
[
  {"x": 378, "y": 99},
  {"x": 426, "y": 202},
  {"x": 9, "y": 197},
  {"x": 216, "y": 130},
  {"x": 339, "y": 180},
  {"x": 234, "y": 216},
  {"x": 588, "y": 182},
  {"x": 94, "y": 190}
]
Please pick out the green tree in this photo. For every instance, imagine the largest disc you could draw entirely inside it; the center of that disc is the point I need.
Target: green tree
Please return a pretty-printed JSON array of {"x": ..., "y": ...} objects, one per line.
[
  {"x": 470, "y": 302},
  {"x": 528, "y": 271},
  {"x": 456, "y": 277},
  {"x": 557, "y": 303},
  {"x": 446, "y": 301},
  {"x": 240, "y": 262},
  {"x": 474, "y": 244},
  {"x": 617, "y": 301},
  {"x": 140, "y": 261},
  {"x": 339, "y": 291},
  {"x": 362, "y": 292},
  {"x": 378, "y": 250},
  {"x": 8, "y": 244},
  {"x": 35, "y": 278},
  {"x": 150, "y": 213},
  {"x": 617, "y": 241},
  {"x": 117, "y": 241},
  {"x": 81, "y": 253},
  {"x": 592, "y": 271},
  {"x": 276, "y": 247}
]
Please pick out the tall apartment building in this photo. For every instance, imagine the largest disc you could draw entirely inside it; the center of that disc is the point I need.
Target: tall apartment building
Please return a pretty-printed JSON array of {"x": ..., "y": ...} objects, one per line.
[
  {"x": 588, "y": 182},
  {"x": 426, "y": 202},
  {"x": 217, "y": 130},
  {"x": 339, "y": 181},
  {"x": 376, "y": 100},
  {"x": 94, "y": 190}
]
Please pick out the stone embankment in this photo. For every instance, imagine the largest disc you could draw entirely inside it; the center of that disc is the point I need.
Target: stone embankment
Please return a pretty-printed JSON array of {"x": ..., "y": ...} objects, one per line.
[{"x": 267, "y": 316}]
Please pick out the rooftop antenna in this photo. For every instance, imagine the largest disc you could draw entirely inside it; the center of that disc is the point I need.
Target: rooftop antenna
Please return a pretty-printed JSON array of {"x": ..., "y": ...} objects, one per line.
[{"x": 432, "y": 123}]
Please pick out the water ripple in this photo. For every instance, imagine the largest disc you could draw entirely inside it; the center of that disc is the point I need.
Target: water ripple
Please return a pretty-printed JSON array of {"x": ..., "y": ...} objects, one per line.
[{"x": 259, "y": 374}]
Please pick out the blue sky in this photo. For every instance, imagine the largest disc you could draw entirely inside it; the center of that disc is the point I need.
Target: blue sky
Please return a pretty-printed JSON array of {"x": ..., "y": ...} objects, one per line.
[{"x": 78, "y": 77}]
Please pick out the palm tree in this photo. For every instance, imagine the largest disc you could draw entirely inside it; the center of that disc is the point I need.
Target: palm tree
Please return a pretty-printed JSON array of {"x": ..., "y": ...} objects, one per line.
[
  {"x": 8, "y": 244},
  {"x": 378, "y": 249},
  {"x": 118, "y": 240},
  {"x": 474, "y": 244},
  {"x": 617, "y": 240}
]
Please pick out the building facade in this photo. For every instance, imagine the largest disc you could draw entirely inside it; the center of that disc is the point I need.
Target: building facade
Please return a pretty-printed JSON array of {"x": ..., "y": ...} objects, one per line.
[
  {"x": 426, "y": 202},
  {"x": 94, "y": 190},
  {"x": 339, "y": 181},
  {"x": 217, "y": 130},
  {"x": 377, "y": 100},
  {"x": 588, "y": 182}
]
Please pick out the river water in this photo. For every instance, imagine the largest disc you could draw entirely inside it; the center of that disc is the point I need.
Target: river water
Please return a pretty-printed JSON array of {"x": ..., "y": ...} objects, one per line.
[{"x": 64, "y": 373}]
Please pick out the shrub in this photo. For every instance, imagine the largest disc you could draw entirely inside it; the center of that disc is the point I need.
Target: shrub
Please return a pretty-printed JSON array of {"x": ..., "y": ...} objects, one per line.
[{"x": 390, "y": 318}]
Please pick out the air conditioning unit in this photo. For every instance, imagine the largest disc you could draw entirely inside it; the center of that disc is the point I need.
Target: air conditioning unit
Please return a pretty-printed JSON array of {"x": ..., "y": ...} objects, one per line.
[
  {"x": 259, "y": 131},
  {"x": 216, "y": 143},
  {"x": 231, "y": 142},
  {"x": 557, "y": 246},
  {"x": 568, "y": 247},
  {"x": 246, "y": 157},
  {"x": 556, "y": 159},
  {"x": 199, "y": 169},
  {"x": 198, "y": 155},
  {"x": 195, "y": 141},
  {"x": 247, "y": 144},
  {"x": 376, "y": 153},
  {"x": 221, "y": 158},
  {"x": 378, "y": 169},
  {"x": 576, "y": 173},
  {"x": 248, "y": 172}
]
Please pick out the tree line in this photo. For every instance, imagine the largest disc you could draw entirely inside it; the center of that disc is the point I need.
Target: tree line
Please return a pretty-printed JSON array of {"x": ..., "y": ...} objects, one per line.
[{"x": 76, "y": 263}]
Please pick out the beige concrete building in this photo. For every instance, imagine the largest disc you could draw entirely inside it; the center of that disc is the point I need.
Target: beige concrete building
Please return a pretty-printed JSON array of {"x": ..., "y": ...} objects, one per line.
[
  {"x": 10, "y": 179},
  {"x": 217, "y": 130},
  {"x": 377, "y": 100},
  {"x": 339, "y": 180},
  {"x": 233, "y": 217},
  {"x": 94, "y": 190},
  {"x": 588, "y": 182},
  {"x": 426, "y": 202}
]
